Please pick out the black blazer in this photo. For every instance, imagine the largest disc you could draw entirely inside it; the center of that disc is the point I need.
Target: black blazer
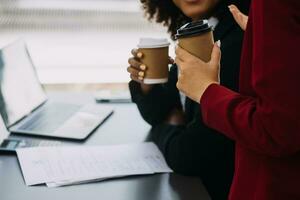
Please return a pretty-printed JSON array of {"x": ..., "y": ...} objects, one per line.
[{"x": 195, "y": 149}]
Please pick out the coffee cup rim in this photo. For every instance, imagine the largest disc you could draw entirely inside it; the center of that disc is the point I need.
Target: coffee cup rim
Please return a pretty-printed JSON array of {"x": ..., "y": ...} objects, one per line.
[
  {"x": 149, "y": 43},
  {"x": 186, "y": 31}
]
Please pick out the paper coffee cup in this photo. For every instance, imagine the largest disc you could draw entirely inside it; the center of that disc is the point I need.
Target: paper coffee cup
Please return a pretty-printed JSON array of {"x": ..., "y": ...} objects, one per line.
[
  {"x": 197, "y": 39},
  {"x": 156, "y": 58}
]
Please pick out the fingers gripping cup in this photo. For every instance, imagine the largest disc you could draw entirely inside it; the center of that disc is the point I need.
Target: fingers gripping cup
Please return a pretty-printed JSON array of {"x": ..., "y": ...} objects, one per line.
[
  {"x": 197, "y": 38},
  {"x": 156, "y": 58}
]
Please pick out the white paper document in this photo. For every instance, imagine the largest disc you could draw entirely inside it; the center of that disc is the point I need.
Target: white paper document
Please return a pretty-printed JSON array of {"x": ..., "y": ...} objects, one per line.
[{"x": 58, "y": 166}]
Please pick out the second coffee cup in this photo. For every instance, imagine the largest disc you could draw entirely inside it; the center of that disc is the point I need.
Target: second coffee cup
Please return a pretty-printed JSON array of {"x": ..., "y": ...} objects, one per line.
[
  {"x": 197, "y": 38},
  {"x": 156, "y": 58}
]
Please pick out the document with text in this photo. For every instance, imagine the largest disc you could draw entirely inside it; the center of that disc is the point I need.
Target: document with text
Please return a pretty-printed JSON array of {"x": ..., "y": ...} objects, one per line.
[{"x": 60, "y": 166}]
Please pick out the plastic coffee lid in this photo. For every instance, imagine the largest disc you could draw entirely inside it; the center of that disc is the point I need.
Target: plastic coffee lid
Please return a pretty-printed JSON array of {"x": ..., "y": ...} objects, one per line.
[
  {"x": 193, "y": 29},
  {"x": 153, "y": 43}
]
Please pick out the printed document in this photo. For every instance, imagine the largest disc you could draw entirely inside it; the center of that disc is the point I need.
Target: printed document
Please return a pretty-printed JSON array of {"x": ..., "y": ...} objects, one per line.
[{"x": 58, "y": 166}]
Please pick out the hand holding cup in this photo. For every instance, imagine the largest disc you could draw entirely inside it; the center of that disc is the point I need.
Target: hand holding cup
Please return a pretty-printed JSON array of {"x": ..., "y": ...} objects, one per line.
[
  {"x": 136, "y": 69},
  {"x": 195, "y": 75},
  {"x": 149, "y": 64},
  {"x": 198, "y": 59}
]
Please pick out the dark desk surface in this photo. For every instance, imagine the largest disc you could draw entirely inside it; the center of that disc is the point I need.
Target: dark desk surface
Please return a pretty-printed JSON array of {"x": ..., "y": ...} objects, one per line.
[{"x": 124, "y": 126}]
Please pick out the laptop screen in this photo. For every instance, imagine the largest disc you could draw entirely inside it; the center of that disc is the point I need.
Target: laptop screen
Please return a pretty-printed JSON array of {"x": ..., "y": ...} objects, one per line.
[
  {"x": 3, "y": 131},
  {"x": 20, "y": 90}
]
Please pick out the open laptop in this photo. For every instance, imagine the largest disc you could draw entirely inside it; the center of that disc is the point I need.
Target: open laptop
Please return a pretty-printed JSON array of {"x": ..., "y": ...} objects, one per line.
[
  {"x": 11, "y": 144},
  {"x": 24, "y": 106}
]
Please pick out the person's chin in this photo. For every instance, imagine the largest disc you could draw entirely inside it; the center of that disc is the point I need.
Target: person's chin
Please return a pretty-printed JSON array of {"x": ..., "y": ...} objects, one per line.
[{"x": 194, "y": 14}]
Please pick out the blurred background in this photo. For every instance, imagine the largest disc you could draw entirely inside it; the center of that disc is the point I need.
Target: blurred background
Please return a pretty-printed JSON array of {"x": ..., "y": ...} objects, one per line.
[{"x": 77, "y": 42}]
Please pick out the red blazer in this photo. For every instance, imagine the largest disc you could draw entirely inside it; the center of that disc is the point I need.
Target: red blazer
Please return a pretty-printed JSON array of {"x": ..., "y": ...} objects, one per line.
[{"x": 264, "y": 118}]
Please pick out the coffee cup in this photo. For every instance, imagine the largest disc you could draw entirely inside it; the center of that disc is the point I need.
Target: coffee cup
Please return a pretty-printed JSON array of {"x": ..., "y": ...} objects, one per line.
[
  {"x": 156, "y": 58},
  {"x": 197, "y": 39}
]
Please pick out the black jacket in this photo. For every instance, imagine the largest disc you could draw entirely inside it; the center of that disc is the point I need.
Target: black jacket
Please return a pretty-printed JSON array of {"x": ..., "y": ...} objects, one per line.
[{"x": 195, "y": 149}]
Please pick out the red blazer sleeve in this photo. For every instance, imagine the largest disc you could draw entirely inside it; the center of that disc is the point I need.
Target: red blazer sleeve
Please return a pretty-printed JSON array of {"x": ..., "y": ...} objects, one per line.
[{"x": 265, "y": 115}]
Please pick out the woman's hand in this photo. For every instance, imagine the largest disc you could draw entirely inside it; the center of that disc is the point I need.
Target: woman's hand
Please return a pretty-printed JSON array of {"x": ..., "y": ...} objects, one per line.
[
  {"x": 196, "y": 75},
  {"x": 239, "y": 17},
  {"x": 137, "y": 69}
]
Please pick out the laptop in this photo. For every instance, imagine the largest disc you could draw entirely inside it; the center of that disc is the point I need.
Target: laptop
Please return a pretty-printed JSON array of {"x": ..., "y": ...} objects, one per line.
[
  {"x": 11, "y": 144},
  {"x": 25, "y": 108}
]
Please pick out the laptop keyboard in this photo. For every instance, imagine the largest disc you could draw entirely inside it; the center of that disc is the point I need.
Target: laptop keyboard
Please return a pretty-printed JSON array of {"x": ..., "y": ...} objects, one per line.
[
  {"x": 39, "y": 143},
  {"x": 49, "y": 118}
]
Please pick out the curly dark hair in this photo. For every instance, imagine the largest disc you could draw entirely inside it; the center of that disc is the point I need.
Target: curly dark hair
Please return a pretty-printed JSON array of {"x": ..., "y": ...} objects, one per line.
[{"x": 166, "y": 12}]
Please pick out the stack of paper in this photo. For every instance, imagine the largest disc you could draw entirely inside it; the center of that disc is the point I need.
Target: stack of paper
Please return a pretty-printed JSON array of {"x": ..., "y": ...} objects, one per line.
[{"x": 59, "y": 166}]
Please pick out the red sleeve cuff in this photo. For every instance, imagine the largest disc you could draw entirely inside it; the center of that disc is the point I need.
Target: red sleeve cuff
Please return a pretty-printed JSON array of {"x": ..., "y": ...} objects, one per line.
[
  {"x": 208, "y": 95},
  {"x": 213, "y": 105}
]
